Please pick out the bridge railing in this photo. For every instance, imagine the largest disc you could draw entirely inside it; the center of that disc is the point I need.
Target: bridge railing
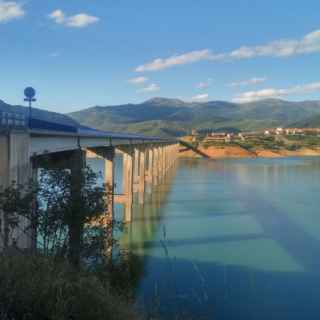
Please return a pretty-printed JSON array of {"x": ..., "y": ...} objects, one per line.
[
  {"x": 12, "y": 120},
  {"x": 37, "y": 124}
]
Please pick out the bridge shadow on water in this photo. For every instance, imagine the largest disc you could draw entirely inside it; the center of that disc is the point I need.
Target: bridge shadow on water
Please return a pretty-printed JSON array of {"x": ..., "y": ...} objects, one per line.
[
  {"x": 204, "y": 288},
  {"x": 194, "y": 289}
]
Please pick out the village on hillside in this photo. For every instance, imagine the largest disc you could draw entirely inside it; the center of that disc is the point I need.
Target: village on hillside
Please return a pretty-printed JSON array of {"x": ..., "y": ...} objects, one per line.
[
  {"x": 218, "y": 136},
  {"x": 272, "y": 142}
]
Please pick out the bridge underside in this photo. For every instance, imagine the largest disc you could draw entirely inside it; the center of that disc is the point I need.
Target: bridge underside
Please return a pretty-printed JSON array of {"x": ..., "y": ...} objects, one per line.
[{"x": 145, "y": 161}]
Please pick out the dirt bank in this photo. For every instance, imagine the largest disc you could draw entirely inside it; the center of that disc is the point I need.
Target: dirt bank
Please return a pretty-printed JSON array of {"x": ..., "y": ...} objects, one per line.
[{"x": 222, "y": 152}]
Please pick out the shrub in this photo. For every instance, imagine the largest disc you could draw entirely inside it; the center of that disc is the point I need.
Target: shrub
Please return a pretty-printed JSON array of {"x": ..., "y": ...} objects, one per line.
[{"x": 38, "y": 288}]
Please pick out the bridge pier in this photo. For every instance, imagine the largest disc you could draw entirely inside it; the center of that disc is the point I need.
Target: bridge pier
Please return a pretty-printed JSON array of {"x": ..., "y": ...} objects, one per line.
[
  {"x": 162, "y": 162},
  {"x": 142, "y": 175},
  {"x": 109, "y": 180},
  {"x": 107, "y": 154},
  {"x": 155, "y": 166},
  {"x": 150, "y": 174},
  {"x": 128, "y": 166},
  {"x": 136, "y": 169}
]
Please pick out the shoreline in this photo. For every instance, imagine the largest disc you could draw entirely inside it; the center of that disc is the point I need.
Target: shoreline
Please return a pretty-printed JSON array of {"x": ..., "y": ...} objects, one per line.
[{"x": 237, "y": 152}]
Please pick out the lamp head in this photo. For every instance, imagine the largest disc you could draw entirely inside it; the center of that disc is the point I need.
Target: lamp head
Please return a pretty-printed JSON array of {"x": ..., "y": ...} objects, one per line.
[{"x": 30, "y": 93}]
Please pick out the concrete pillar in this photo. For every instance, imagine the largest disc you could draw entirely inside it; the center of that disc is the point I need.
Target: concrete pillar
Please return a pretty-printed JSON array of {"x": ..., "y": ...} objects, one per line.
[
  {"x": 163, "y": 167},
  {"x": 160, "y": 171},
  {"x": 136, "y": 169},
  {"x": 19, "y": 157},
  {"x": 150, "y": 166},
  {"x": 128, "y": 166},
  {"x": 167, "y": 158},
  {"x": 155, "y": 166},
  {"x": 108, "y": 156},
  {"x": 172, "y": 156},
  {"x": 164, "y": 160},
  {"x": 15, "y": 165},
  {"x": 142, "y": 174}
]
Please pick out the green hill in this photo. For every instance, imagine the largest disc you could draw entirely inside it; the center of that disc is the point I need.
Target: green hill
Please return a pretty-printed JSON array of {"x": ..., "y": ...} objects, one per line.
[
  {"x": 160, "y": 116},
  {"x": 313, "y": 122}
]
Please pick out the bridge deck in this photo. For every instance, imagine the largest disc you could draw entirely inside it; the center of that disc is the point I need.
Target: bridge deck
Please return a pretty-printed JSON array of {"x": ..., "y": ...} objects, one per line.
[{"x": 52, "y": 136}]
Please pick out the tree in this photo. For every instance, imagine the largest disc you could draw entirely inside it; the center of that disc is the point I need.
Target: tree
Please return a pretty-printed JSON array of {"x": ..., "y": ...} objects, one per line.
[
  {"x": 67, "y": 209},
  {"x": 16, "y": 201},
  {"x": 72, "y": 214}
]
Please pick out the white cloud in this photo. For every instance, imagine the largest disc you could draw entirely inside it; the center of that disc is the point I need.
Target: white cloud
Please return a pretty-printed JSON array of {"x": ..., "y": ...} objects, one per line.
[
  {"x": 200, "y": 97},
  {"x": 251, "y": 96},
  {"x": 310, "y": 43},
  {"x": 252, "y": 81},
  {"x": 138, "y": 80},
  {"x": 58, "y": 16},
  {"x": 160, "y": 64},
  {"x": 204, "y": 84},
  {"x": 10, "y": 10},
  {"x": 150, "y": 88},
  {"x": 80, "y": 20}
]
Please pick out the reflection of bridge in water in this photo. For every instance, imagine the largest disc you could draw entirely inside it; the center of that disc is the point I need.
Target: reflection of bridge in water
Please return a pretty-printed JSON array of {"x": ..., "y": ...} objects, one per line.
[
  {"x": 146, "y": 160},
  {"x": 148, "y": 217}
]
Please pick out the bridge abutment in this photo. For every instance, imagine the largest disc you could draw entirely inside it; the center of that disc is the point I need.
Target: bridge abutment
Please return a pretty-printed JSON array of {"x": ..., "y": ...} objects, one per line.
[{"x": 15, "y": 167}]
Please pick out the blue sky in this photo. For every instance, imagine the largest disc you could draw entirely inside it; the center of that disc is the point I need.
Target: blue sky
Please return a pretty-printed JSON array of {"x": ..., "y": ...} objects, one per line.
[{"x": 80, "y": 53}]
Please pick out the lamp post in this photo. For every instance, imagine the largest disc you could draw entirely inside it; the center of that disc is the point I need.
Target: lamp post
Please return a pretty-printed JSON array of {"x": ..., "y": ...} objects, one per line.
[{"x": 30, "y": 94}]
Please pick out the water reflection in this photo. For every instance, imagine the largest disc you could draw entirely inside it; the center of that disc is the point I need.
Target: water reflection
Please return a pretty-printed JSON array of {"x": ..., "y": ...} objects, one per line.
[{"x": 234, "y": 239}]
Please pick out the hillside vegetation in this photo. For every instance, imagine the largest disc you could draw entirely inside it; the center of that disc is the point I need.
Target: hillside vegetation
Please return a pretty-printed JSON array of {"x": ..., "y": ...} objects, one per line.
[
  {"x": 313, "y": 122},
  {"x": 172, "y": 117}
]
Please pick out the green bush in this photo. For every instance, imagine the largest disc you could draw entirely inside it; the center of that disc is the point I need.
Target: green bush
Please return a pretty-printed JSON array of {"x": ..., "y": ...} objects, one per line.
[
  {"x": 38, "y": 288},
  {"x": 293, "y": 147}
]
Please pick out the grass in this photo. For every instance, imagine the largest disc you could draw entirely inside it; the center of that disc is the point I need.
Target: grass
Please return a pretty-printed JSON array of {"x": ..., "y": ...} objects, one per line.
[{"x": 39, "y": 288}]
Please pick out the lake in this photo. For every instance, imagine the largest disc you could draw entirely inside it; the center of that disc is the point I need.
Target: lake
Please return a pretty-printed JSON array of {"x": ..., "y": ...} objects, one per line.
[{"x": 234, "y": 239}]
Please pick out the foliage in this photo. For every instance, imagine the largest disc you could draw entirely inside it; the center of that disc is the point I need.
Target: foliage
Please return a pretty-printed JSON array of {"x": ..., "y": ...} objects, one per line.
[
  {"x": 16, "y": 201},
  {"x": 64, "y": 280},
  {"x": 67, "y": 210},
  {"x": 39, "y": 288},
  {"x": 71, "y": 203}
]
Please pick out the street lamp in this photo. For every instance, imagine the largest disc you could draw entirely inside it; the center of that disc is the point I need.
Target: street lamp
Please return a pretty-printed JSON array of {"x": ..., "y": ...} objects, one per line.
[{"x": 30, "y": 94}]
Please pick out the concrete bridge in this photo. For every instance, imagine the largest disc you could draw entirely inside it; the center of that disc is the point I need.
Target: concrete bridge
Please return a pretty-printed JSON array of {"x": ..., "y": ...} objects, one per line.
[{"x": 26, "y": 145}]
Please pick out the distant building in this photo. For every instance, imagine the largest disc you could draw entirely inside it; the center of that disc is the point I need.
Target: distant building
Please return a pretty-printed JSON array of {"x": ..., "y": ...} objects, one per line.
[{"x": 194, "y": 132}]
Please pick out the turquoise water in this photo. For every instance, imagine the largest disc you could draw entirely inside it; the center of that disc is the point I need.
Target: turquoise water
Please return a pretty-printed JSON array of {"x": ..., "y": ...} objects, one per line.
[{"x": 236, "y": 239}]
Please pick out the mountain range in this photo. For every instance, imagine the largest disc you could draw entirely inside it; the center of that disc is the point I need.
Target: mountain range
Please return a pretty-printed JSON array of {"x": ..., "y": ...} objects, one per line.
[{"x": 173, "y": 117}]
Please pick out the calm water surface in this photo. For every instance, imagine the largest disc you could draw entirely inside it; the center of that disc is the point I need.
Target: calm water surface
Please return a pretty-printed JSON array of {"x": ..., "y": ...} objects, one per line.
[{"x": 236, "y": 239}]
